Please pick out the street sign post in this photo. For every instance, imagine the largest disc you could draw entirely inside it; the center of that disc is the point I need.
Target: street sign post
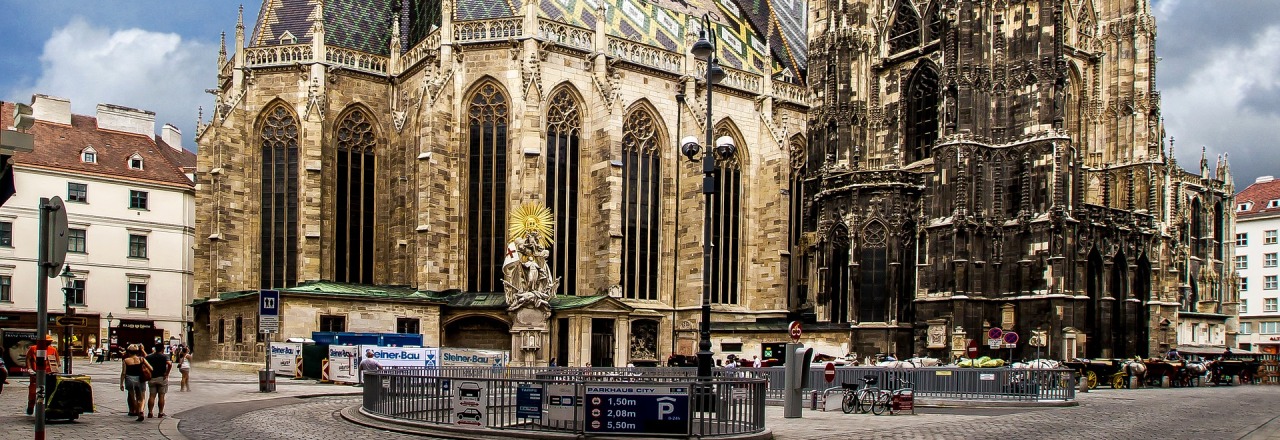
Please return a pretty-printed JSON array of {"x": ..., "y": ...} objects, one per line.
[
  {"x": 794, "y": 330},
  {"x": 73, "y": 321},
  {"x": 268, "y": 311},
  {"x": 971, "y": 349}
]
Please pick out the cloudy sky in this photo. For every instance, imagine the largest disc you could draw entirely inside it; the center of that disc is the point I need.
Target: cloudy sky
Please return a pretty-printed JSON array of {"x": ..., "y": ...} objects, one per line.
[{"x": 1219, "y": 74}]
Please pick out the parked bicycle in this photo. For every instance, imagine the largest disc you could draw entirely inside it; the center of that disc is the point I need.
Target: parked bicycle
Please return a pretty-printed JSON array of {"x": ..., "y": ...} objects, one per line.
[
  {"x": 901, "y": 399},
  {"x": 859, "y": 399}
]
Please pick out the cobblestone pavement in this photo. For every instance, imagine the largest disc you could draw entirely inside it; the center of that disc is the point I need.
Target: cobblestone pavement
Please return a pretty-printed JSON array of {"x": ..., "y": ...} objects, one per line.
[{"x": 227, "y": 404}]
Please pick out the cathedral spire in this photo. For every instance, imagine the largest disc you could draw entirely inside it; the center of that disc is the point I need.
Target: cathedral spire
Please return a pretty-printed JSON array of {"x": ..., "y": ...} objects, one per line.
[
  {"x": 1204, "y": 163},
  {"x": 1173, "y": 158},
  {"x": 222, "y": 50}
]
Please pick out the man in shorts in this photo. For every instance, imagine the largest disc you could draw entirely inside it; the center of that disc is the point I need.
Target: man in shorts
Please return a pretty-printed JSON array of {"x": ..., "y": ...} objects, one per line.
[{"x": 159, "y": 383}]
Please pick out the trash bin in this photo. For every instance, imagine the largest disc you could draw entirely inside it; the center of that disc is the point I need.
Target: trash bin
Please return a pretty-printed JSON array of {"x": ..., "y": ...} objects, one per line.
[{"x": 266, "y": 381}]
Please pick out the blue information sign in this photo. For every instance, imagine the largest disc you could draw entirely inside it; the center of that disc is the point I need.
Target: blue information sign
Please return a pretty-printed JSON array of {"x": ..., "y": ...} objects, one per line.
[
  {"x": 632, "y": 409},
  {"x": 268, "y": 311},
  {"x": 529, "y": 401}
]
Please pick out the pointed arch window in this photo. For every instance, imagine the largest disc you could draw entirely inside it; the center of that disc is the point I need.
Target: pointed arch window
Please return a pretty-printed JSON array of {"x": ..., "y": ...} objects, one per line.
[
  {"x": 922, "y": 113},
  {"x": 641, "y": 196},
  {"x": 486, "y": 188},
  {"x": 564, "y": 126},
  {"x": 354, "y": 199},
  {"x": 933, "y": 19},
  {"x": 726, "y": 226},
  {"x": 838, "y": 276},
  {"x": 796, "y": 197},
  {"x": 873, "y": 293},
  {"x": 905, "y": 33},
  {"x": 279, "y": 215}
]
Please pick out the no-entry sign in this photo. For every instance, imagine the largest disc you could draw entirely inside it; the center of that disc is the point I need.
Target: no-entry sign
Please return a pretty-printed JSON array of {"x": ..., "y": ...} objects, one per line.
[{"x": 829, "y": 372}]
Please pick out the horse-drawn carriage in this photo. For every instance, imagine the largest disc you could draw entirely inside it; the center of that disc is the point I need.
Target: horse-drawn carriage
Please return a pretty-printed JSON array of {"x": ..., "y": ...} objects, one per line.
[
  {"x": 1181, "y": 373},
  {"x": 1093, "y": 371},
  {"x": 1232, "y": 367}
]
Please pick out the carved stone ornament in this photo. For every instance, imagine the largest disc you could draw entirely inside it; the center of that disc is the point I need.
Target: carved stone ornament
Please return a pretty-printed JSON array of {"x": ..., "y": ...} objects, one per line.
[
  {"x": 398, "y": 118},
  {"x": 530, "y": 340},
  {"x": 527, "y": 277},
  {"x": 937, "y": 334}
]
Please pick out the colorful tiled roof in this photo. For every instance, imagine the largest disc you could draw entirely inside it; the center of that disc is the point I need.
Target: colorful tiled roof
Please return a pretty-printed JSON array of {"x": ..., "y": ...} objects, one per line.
[
  {"x": 741, "y": 27},
  {"x": 1257, "y": 197},
  {"x": 58, "y": 147}
]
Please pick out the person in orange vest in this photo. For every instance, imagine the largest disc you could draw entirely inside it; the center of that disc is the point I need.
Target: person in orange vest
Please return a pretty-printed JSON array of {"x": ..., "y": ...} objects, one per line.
[{"x": 51, "y": 365}]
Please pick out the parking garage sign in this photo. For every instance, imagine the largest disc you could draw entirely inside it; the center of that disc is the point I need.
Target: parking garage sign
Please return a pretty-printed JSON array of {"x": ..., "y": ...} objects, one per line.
[{"x": 637, "y": 409}]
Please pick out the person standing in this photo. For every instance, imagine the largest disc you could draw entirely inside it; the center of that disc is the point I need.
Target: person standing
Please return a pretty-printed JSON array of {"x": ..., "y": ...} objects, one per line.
[
  {"x": 51, "y": 365},
  {"x": 159, "y": 383},
  {"x": 132, "y": 367},
  {"x": 184, "y": 367}
]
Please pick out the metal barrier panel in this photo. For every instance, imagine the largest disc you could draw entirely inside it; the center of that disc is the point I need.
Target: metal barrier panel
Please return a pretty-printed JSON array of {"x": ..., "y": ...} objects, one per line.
[
  {"x": 730, "y": 404},
  {"x": 942, "y": 382}
]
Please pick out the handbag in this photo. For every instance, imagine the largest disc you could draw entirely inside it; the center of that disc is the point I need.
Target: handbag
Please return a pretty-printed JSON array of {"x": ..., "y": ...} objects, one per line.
[{"x": 146, "y": 371}]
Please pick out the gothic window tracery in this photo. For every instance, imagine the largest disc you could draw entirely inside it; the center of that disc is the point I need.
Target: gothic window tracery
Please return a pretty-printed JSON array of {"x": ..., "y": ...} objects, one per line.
[
  {"x": 279, "y": 190},
  {"x": 726, "y": 228},
  {"x": 933, "y": 19},
  {"x": 873, "y": 293},
  {"x": 837, "y": 283},
  {"x": 641, "y": 195},
  {"x": 922, "y": 113},
  {"x": 564, "y": 126},
  {"x": 905, "y": 33},
  {"x": 354, "y": 198},
  {"x": 487, "y": 116}
]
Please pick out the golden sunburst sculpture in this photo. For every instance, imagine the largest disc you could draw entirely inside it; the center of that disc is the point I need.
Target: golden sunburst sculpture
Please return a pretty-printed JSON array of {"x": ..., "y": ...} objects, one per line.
[{"x": 532, "y": 217}]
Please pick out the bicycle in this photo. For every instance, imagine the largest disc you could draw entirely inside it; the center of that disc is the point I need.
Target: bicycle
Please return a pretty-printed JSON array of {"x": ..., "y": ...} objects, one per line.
[
  {"x": 859, "y": 399},
  {"x": 886, "y": 398}
]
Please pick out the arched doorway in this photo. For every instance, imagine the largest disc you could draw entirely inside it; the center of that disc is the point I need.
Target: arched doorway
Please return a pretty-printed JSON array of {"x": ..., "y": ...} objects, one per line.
[{"x": 477, "y": 331}]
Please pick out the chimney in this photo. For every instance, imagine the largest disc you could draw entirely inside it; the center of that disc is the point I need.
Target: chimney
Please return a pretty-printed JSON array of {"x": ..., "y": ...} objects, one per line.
[
  {"x": 1264, "y": 179},
  {"x": 125, "y": 119},
  {"x": 171, "y": 135},
  {"x": 51, "y": 109}
]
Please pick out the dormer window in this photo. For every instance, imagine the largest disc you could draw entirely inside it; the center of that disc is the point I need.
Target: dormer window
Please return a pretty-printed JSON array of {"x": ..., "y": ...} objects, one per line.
[
  {"x": 288, "y": 38},
  {"x": 1273, "y": 204},
  {"x": 89, "y": 155},
  {"x": 1244, "y": 207},
  {"x": 135, "y": 162}
]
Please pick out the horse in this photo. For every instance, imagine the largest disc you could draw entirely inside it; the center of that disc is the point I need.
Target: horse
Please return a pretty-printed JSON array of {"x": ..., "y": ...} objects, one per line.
[
  {"x": 1134, "y": 368},
  {"x": 1039, "y": 364},
  {"x": 924, "y": 362},
  {"x": 895, "y": 364}
]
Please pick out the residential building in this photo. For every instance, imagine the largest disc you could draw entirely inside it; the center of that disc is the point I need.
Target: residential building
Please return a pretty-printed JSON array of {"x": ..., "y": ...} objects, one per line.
[
  {"x": 1257, "y": 210},
  {"x": 130, "y": 216}
]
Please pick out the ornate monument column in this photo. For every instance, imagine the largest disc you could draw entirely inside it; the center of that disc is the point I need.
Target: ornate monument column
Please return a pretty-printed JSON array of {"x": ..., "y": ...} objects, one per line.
[{"x": 529, "y": 283}]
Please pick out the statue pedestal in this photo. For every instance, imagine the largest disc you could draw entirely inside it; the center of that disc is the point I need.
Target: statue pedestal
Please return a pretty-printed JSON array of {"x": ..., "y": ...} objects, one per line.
[{"x": 529, "y": 334}]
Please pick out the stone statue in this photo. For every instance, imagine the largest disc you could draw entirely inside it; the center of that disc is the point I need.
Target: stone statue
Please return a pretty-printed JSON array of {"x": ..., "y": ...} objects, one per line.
[{"x": 527, "y": 277}]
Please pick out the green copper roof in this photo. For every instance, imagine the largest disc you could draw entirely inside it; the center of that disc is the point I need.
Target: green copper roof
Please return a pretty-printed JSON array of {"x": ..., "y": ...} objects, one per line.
[{"x": 338, "y": 290}]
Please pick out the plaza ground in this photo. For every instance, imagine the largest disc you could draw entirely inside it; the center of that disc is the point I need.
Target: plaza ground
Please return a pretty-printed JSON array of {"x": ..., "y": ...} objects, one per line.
[{"x": 227, "y": 404}]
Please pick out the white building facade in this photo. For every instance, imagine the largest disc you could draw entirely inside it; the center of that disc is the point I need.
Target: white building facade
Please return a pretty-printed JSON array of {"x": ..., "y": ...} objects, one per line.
[
  {"x": 1257, "y": 261},
  {"x": 130, "y": 209}
]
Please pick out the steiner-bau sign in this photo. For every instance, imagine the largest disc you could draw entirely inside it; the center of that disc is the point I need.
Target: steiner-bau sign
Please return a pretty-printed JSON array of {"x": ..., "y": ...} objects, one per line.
[{"x": 637, "y": 410}]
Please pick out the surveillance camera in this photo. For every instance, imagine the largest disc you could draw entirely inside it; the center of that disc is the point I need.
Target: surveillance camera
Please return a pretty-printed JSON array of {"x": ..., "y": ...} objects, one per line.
[
  {"x": 725, "y": 147},
  {"x": 689, "y": 147}
]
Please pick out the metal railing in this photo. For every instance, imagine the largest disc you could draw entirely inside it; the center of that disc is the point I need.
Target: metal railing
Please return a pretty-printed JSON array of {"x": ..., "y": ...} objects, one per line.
[
  {"x": 731, "y": 404},
  {"x": 943, "y": 382}
]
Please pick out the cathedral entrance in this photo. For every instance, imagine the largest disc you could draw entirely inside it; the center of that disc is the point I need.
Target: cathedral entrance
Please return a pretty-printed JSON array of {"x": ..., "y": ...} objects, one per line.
[
  {"x": 602, "y": 342},
  {"x": 477, "y": 331}
]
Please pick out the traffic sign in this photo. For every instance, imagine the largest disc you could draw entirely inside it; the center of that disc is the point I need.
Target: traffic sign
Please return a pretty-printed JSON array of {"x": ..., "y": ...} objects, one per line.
[
  {"x": 995, "y": 333},
  {"x": 1011, "y": 338},
  {"x": 56, "y": 240},
  {"x": 971, "y": 349},
  {"x": 993, "y": 343},
  {"x": 794, "y": 330},
  {"x": 268, "y": 311},
  {"x": 73, "y": 321},
  {"x": 829, "y": 372}
]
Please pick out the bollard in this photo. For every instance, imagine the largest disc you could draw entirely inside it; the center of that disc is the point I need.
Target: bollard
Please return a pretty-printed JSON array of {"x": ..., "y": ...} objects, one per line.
[
  {"x": 1133, "y": 382},
  {"x": 266, "y": 381},
  {"x": 813, "y": 400},
  {"x": 1164, "y": 381},
  {"x": 1082, "y": 385}
]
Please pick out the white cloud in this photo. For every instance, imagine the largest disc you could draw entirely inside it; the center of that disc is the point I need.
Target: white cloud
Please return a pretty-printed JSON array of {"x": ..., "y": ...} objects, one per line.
[
  {"x": 1212, "y": 108},
  {"x": 136, "y": 68}
]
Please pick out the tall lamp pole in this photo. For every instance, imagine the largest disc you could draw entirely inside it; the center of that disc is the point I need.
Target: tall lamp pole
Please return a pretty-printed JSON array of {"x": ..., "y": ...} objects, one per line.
[
  {"x": 705, "y": 50},
  {"x": 67, "y": 279}
]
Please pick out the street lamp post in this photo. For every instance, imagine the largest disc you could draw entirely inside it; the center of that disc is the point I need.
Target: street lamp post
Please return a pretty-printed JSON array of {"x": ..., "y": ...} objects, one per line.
[
  {"x": 67, "y": 279},
  {"x": 705, "y": 50},
  {"x": 110, "y": 340}
]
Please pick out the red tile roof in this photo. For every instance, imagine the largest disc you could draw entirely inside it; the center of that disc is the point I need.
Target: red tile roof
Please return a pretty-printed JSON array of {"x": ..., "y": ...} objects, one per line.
[
  {"x": 58, "y": 147},
  {"x": 1258, "y": 196}
]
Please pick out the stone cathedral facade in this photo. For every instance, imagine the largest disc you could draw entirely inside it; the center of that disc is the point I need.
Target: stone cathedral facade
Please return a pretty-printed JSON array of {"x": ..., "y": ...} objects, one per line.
[
  {"x": 363, "y": 158},
  {"x": 979, "y": 164}
]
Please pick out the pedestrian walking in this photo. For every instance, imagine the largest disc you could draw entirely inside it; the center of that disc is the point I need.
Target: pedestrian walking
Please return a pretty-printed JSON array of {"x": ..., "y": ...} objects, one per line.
[
  {"x": 132, "y": 369},
  {"x": 184, "y": 367},
  {"x": 159, "y": 383},
  {"x": 4, "y": 374},
  {"x": 51, "y": 365}
]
